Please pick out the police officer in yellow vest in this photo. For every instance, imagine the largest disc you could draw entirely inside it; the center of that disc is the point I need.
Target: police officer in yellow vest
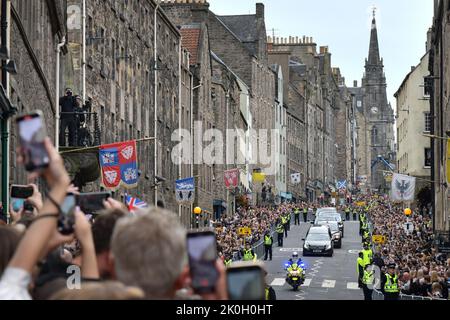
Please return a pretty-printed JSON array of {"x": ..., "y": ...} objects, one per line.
[
  {"x": 249, "y": 254},
  {"x": 389, "y": 283},
  {"x": 268, "y": 242},
  {"x": 227, "y": 261},
  {"x": 367, "y": 255},
  {"x": 305, "y": 214},
  {"x": 360, "y": 268},
  {"x": 297, "y": 216},
  {"x": 284, "y": 221},
  {"x": 280, "y": 232},
  {"x": 269, "y": 291},
  {"x": 367, "y": 282}
]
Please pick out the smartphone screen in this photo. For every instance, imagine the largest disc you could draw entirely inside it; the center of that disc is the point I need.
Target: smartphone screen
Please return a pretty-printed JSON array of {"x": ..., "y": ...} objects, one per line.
[
  {"x": 32, "y": 134},
  {"x": 245, "y": 283},
  {"x": 21, "y": 192},
  {"x": 202, "y": 252},
  {"x": 17, "y": 204},
  {"x": 90, "y": 203},
  {"x": 67, "y": 218}
]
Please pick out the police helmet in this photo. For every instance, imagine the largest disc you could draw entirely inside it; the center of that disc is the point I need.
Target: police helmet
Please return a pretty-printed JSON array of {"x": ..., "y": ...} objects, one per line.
[{"x": 295, "y": 255}]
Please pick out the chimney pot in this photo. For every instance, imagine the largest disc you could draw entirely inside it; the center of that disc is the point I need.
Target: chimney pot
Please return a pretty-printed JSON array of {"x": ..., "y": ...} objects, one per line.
[{"x": 355, "y": 83}]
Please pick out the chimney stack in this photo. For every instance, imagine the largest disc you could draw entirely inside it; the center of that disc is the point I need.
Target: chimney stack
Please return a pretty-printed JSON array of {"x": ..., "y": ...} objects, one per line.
[
  {"x": 355, "y": 83},
  {"x": 260, "y": 10}
]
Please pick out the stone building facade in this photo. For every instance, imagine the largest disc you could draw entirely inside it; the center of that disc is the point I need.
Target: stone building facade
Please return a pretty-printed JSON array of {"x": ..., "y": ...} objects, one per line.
[
  {"x": 413, "y": 120},
  {"x": 35, "y": 29},
  {"x": 122, "y": 70},
  {"x": 439, "y": 85}
]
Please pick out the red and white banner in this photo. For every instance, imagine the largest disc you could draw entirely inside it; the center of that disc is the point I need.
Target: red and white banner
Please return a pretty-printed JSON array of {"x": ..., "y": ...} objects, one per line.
[{"x": 231, "y": 178}]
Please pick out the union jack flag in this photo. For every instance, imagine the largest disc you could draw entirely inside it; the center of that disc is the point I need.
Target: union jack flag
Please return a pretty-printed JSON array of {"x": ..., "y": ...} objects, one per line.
[{"x": 135, "y": 204}]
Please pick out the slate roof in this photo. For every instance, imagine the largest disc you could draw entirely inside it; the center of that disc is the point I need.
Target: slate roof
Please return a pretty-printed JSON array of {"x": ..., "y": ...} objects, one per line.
[{"x": 243, "y": 26}]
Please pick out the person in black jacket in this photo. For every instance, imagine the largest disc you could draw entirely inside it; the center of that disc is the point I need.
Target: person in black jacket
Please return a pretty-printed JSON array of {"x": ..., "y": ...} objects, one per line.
[{"x": 68, "y": 108}]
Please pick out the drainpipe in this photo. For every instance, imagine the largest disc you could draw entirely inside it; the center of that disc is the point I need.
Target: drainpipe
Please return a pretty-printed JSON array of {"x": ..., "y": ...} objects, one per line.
[
  {"x": 155, "y": 125},
  {"x": 57, "y": 111},
  {"x": 5, "y": 123}
]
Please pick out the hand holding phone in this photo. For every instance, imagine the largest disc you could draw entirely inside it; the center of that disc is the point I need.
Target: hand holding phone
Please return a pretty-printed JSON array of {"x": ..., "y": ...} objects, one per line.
[
  {"x": 245, "y": 281},
  {"x": 66, "y": 219},
  {"x": 90, "y": 203},
  {"x": 32, "y": 136},
  {"x": 202, "y": 253}
]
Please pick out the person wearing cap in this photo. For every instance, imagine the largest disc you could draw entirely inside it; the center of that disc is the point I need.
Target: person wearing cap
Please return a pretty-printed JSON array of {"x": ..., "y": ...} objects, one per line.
[
  {"x": 367, "y": 282},
  {"x": 360, "y": 268},
  {"x": 270, "y": 294},
  {"x": 268, "y": 242},
  {"x": 389, "y": 283},
  {"x": 68, "y": 107}
]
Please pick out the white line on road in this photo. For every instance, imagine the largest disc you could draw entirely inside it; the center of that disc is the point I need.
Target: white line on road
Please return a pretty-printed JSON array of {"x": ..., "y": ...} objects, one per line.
[
  {"x": 278, "y": 282},
  {"x": 328, "y": 283},
  {"x": 307, "y": 283},
  {"x": 352, "y": 286}
]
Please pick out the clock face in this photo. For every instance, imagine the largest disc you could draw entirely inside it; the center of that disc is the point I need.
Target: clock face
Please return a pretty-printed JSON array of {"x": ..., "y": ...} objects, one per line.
[{"x": 374, "y": 110}]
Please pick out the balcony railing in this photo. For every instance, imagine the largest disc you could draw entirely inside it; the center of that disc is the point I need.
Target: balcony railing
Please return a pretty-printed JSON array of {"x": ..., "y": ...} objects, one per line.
[{"x": 87, "y": 130}]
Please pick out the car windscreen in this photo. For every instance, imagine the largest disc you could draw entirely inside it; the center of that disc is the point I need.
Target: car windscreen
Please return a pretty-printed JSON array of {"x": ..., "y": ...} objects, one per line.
[
  {"x": 330, "y": 217},
  {"x": 318, "y": 237},
  {"x": 333, "y": 227}
]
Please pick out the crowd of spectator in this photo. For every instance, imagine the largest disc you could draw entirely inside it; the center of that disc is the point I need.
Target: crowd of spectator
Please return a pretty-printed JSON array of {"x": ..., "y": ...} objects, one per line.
[{"x": 423, "y": 270}]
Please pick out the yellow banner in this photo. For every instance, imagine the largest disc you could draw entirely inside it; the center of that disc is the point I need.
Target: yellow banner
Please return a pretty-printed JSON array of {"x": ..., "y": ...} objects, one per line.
[
  {"x": 245, "y": 231},
  {"x": 258, "y": 177},
  {"x": 448, "y": 161},
  {"x": 378, "y": 239}
]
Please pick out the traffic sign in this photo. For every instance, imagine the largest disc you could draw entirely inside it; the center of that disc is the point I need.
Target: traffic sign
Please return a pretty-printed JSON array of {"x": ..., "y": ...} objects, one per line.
[
  {"x": 379, "y": 239},
  {"x": 245, "y": 231}
]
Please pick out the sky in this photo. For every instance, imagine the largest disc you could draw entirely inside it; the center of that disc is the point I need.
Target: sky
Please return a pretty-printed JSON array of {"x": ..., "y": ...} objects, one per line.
[{"x": 344, "y": 26}]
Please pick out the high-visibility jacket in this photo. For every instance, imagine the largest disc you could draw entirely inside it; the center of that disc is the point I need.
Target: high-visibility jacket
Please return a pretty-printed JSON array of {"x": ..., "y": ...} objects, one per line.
[
  {"x": 296, "y": 212},
  {"x": 359, "y": 263},
  {"x": 227, "y": 262},
  {"x": 347, "y": 210},
  {"x": 368, "y": 277},
  {"x": 267, "y": 293},
  {"x": 305, "y": 210},
  {"x": 248, "y": 255},
  {"x": 391, "y": 285},
  {"x": 280, "y": 228},
  {"x": 367, "y": 256},
  {"x": 283, "y": 220},
  {"x": 268, "y": 240}
]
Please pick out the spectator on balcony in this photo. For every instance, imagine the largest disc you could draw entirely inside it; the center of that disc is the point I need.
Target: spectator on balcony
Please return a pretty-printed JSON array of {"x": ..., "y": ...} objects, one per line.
[{"x": 68, "y": 107}]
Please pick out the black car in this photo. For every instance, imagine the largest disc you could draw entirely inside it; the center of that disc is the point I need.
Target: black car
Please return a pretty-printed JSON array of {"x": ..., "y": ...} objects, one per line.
[
  {"x": 318, "y": 241},
  {"x": 329, "y": 216}
]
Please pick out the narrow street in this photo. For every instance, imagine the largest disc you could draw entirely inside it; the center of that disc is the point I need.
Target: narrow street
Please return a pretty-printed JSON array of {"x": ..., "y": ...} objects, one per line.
[{"x": 326, "y": 278}]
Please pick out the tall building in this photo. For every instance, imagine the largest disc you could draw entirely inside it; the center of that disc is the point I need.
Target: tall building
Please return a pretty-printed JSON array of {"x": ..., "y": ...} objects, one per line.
[
  {"x": 413, "y": 120},
  {"x": 376, "y": 121},
  {"x": 440, "y": 114}
]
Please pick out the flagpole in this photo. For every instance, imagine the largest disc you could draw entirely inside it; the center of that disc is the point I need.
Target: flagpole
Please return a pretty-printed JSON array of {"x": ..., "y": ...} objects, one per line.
[{"x": 98, "y": 147}]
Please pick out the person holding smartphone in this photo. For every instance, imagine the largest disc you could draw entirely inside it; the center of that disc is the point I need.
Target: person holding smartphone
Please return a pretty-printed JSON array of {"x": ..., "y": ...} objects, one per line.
[{"x": 150, "y": 251}]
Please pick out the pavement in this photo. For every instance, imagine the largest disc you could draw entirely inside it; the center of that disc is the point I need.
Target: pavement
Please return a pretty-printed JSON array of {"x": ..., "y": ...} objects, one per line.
[{"x": 327, "y": 278}]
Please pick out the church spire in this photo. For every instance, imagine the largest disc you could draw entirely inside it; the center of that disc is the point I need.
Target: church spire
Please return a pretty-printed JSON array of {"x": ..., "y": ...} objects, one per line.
[{"x": 374, "y": 51}]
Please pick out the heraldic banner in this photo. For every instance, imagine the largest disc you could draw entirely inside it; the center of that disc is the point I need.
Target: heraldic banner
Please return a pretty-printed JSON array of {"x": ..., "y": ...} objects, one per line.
[
  {"x": 403, "y": 187},
  {"x": 231, "y": 178},
  {"x": 118, "y": 163}
]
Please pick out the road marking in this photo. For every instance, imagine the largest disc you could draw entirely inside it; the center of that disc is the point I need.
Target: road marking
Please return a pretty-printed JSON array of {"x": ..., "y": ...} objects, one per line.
[
  {"x": 354, "y": 251},
  {"x": 307, "y": 283},
  {"x": 328, "y": 283},
  {"x": 278, "y": 282},
  {"x": 291, "y": 249},
  {"x": 352, "y": 286}
]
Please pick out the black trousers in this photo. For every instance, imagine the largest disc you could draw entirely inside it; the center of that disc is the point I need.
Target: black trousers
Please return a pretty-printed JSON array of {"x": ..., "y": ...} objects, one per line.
[
  {"x": 289, "y": 225},
  {"x": 305, "y": 217},
  {"x": 285, "y": 229},
  {"x": 347, "y": 216},
  {"x": 391, "y": 296},
  {"x": 355, "y": 217},
  {"x": 71, "y": 124},
  {"x": 280, "y": 239},
  {"x": 367, "y": 292},
  {"x": 267, "y": 252},
  {"x": 297, "y": 219}
]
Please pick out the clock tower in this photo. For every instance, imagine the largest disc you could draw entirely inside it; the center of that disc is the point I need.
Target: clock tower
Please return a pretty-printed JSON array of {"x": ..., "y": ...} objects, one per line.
[{"x": 378, "y": 113}]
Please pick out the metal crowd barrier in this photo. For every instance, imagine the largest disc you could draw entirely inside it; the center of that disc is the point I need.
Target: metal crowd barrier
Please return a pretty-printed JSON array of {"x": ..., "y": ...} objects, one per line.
[{"x": 378, "y": 295}]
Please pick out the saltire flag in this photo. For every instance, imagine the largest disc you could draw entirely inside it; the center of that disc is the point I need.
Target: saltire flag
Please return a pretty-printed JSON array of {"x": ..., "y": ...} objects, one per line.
[
  {"x": 403, "y": 187},
  {"x": 134, "y": 204},
  {"x": 185, "y": 190},
  {"x": 231, "y": 178},
  {"x": 295, "y": 178},
  {"x": 118, "y": 163}
]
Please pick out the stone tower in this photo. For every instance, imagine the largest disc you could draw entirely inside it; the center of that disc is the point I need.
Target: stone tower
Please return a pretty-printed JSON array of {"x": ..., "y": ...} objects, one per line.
[{"x": 378, "y": 112}]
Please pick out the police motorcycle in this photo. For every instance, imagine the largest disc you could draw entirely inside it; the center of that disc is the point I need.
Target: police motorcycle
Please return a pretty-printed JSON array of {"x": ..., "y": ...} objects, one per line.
[{"x": 295, "y": 268}]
